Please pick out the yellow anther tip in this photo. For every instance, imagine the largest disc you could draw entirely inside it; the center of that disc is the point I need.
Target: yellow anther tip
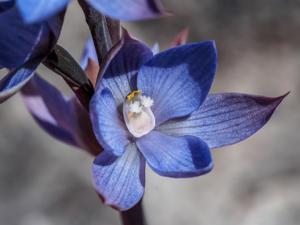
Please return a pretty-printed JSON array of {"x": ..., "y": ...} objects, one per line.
[{"x": 133, "y": 94}]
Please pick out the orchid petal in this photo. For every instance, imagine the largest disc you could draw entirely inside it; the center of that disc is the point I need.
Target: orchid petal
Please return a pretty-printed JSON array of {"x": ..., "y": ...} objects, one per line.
[
  {"x": 55, "y": 24},
  {"x": 17, "y": 41},
  {"x": 6, "y": 4},
  {"x": 120, "y": 180},
  {"x": 109, "y": 128},
  {"x": 20, "y": 42},
  {"x": 83, "y": 129},
  {"x": 129, "y": 9},
  {"x": 225, "y": 119},
  {"x": 92, "y": 71},
  {"x": 120, "y": 70},
  {"x": 89, "y": 61},
  {"x": 49, "y": 108},
  {"x": 65, "y": 120},
  {"x": 178, "y": 80},
  {"x": 23, "y": 47},
  {"x": 36, "y": 11},
  {"x": 155, "y": 48},
  {"x": 180, "y": 38},
  {"x": 89, "y": 52},
  {"x": 16, "y": 79},
  {"x": 169, "y": 156}
]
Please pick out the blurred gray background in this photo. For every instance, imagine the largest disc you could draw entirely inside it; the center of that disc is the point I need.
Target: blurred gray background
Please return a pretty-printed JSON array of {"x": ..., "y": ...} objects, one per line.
[{"x": 256, "y": 182}]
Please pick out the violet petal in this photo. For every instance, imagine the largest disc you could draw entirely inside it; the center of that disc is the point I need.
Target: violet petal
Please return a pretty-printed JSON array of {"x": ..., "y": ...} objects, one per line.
[
  {"x": 129, "y": 9},
  {"x": 225, "y": 119},
  {"x": 177, "y": 157},
  {"x": 108, "y": 123},
  {"x": 120, "y": 180},
  {"x": 178, "y": 80},
  {"x": 120, "y": 70}
]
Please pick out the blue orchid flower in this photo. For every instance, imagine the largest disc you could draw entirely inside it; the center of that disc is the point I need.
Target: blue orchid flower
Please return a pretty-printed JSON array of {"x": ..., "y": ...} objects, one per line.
[
  {"x": 149, "y": 109},
  {"x": 156, "y": 110},
  {"x": 38, "y": 10},
  {"x": 23, "y": 47}
]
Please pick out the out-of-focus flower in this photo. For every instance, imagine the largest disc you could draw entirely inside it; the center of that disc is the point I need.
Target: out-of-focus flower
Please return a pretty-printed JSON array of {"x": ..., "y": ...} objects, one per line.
[
  {"x": 63, "y": 118},
  {"x": 37, "y": 10},
  {"x": 175, "y": 131},
  {"x": 6, "y": 4},
  {"x": 23, "y": 47},
  {"x": 179, "y": 39}
]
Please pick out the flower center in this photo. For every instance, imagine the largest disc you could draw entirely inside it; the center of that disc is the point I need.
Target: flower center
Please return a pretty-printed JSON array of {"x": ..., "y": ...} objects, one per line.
[{"x": 137, "y": 113}]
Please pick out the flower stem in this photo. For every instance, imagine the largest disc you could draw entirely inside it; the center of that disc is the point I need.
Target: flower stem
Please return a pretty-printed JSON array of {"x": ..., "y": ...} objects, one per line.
[
  {"x": 99, "y": 30},
  {"x": 134, "y": 216},
  {"x": 114, "y": 29}
]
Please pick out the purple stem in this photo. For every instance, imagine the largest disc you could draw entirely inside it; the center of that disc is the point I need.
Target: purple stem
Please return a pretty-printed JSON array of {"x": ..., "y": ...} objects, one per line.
[
  {"x": 134, "y": 216},
  {"x": 99, "y": 30},
  {"x": 114, "y": 29}
]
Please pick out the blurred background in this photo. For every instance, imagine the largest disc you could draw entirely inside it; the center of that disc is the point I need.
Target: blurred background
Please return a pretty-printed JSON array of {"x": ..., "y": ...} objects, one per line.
[{"x": 256, "y": 182}]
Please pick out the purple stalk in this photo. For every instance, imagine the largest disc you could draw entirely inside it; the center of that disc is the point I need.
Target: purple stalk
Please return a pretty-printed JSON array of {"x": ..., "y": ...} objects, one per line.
[
  {"x": 134, "y": 216},
  {"x": 99, "y": 30},
  {"x": 114, "y": 30}
]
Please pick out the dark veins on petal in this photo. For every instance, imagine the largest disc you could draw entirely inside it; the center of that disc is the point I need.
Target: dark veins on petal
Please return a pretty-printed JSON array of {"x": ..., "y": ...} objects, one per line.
[{"x": 225, "y": 119}]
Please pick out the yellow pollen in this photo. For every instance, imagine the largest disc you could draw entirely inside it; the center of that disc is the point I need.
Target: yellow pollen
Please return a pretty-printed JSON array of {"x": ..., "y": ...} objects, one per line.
[{"x": 133, "y": 94}]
